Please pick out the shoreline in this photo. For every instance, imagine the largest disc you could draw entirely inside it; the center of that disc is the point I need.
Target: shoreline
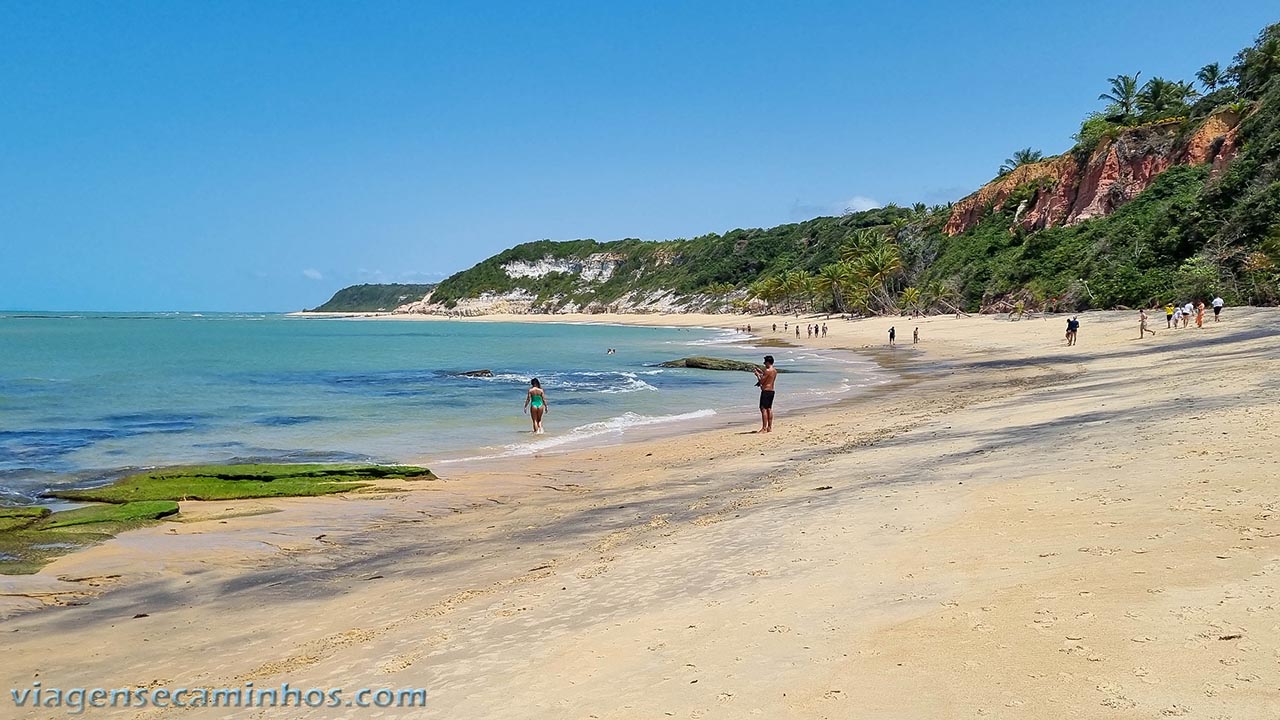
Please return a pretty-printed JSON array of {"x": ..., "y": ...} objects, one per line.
[
  {"x": 1007, "y": 502},
  {"x": 654, "y": 425}
]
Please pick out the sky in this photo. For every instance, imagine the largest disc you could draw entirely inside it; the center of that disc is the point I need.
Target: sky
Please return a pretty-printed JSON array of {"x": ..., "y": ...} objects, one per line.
[{"x": 250, "y": 156}]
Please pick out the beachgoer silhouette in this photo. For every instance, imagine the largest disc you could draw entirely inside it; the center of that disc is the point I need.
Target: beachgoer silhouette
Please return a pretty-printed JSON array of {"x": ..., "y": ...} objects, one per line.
[{"x": 893, "y": 332}]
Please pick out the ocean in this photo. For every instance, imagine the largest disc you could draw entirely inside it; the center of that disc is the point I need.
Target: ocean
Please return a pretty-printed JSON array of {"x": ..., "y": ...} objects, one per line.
[{"x": 85, "y": 397}]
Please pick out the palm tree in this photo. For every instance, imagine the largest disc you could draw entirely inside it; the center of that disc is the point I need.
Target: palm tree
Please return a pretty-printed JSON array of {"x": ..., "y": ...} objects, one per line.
[
  {"x": 1124, "y": 93},
  {"x": 1020, "y": 157},
  {"x": 1210, "y": 76},
  {"x": 859, "y": 294},
  {"x": 877, "y": 266},
  {"x": 919, "y": 209},
  {"x": 1161, "y": 98},
  {"x": 911, "y": 298},
  {"x": 796, "y": 285},
  {"x": 859, "y": 242},
  {"x": 935, "y": 292},
  {"x": 835, "y": 280},
  {"x": 770, "y": 290}
]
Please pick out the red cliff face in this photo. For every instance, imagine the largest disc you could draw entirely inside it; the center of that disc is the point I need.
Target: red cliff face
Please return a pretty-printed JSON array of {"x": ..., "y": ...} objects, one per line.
[{"x": 1071, "y": 190}]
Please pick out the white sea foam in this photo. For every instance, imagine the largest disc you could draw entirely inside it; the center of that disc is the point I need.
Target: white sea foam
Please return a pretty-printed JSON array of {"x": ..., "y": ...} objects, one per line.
[
  {"x": 722, "y": 339},
  {"x": 613, "y": 426},
  {"x": 609, "y": 382}
]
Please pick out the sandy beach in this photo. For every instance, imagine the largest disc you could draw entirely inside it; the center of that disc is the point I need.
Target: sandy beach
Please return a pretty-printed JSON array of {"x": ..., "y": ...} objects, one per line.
[{"x": 1009, "y": 529}]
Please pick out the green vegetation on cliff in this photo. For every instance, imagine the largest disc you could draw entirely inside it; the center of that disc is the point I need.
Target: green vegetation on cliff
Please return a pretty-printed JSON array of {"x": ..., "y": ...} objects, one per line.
[
  {"x": 711, "y": 264},
  {"x": 374, "y": 298},
  {"x": 1186, "y": 229}
]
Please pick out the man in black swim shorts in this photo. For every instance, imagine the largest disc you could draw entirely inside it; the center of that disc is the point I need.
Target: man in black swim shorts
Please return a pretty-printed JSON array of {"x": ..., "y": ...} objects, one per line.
[{"x": 765, "y": 379}]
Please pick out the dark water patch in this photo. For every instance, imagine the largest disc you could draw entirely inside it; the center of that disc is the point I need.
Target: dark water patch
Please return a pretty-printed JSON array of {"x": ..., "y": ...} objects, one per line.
[
  {"x": 225, "y": 445},
  {"x": 138, "y": 423},
  {"x": 267, "y": 456},
  {"x": 44, "y": 448},
  {"x": 47, "y": 447},
  {"x": 287, "y": 420}
]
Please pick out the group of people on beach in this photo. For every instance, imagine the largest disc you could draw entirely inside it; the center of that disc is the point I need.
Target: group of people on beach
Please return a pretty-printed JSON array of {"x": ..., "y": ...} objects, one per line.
[
  {"x": 1181, "y": 315},
  {"x": 1174, "y": 316}
]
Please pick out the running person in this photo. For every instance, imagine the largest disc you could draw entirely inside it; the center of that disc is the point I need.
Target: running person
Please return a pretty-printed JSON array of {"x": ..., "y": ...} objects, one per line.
[
  {"x": 536, "y": 403},
  {"x": 1142, "y": 325},
  {"x": 765, "y": 379}
]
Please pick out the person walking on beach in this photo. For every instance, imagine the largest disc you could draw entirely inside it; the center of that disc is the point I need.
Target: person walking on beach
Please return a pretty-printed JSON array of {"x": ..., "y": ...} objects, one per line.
[
  {"x": 1177, "y": 316},
  {"x": 535, "y": 402},
  {"x": 764, "y": 380},
  {"x": 797, "y": 331},
  {"x": 915, "y": 336},
  {"x": 1073, "y": 327},
  {"x": 1217, "y": 307},
  {"x": 1142, "y": 325},
  {"x": 1168, "y": 316},
  {"x": 893, "y": 333},
  {"x": 1187, "y": 312},
  {"x": 1200, "y": 314}
]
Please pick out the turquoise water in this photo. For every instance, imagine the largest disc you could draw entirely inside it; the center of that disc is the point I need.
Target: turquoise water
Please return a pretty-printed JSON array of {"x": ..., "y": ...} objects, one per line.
[{"x": 84, "y": 396}]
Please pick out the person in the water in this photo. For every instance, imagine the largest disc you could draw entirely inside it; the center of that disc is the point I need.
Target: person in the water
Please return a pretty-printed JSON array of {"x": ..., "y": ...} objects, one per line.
[{"x": 535, "y": 402}]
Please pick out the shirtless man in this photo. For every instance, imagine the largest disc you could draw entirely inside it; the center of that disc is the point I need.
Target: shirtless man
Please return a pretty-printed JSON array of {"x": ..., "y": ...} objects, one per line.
[{"x": 765, "y": 379}]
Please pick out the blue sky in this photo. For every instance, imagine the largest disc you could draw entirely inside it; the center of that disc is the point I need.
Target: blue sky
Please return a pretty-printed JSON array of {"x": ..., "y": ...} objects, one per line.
[{"x": 260, "y": 156}]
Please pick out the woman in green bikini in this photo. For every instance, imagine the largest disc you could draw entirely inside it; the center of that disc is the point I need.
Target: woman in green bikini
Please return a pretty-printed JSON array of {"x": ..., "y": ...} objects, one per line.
[{"x": 536, "y": 403}]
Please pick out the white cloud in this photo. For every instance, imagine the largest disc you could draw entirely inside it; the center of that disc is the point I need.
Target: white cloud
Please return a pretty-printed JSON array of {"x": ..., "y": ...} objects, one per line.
[
  {"x": 312, "y": 274},
  {"x": 858, "y": 203}
]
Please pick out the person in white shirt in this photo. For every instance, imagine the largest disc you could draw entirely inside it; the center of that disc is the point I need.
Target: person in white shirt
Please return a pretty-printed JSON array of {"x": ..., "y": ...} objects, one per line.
[
  {"x": 1177, "y": 317},
  {"x": 1217, "y": 307},
  {"x": 1188, "y": 311}
]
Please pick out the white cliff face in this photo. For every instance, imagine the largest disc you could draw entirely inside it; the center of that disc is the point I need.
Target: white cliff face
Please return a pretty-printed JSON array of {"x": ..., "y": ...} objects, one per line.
[
  {"x": 597, "y": 267},
  {"x": 591, "y": 270}
]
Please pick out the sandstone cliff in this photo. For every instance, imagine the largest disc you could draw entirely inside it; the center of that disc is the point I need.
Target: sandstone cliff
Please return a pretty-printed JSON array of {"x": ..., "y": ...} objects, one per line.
[{"x": 1069, "y": 189}]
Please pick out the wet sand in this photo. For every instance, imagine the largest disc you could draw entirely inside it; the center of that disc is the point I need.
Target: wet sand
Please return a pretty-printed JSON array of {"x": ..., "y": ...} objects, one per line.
[{"x": 1011, "y": 529}]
